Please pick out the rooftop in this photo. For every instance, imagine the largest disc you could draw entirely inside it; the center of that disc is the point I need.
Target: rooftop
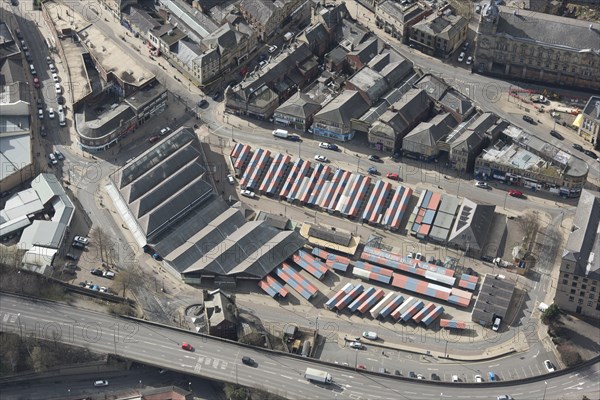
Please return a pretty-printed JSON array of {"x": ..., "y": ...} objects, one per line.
[
  {"x": 592, "y": 108},
  {"x": 343, "y": 108}
]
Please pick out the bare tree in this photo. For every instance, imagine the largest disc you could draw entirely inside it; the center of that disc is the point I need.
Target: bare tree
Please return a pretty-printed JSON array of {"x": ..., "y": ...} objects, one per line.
[
  {"x": 126, "y": 278},
  {"x": 105, "y": 245}
]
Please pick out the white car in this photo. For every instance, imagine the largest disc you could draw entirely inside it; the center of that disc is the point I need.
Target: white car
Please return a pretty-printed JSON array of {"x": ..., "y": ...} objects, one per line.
[
  {"x": 55, "y": 77},
  {"x": 496, "y": 325},
  {"x": 272, "y": 49},
  {"x": 41, "y": 114},
  {"x": 454, "y": 378},
  {"x": 248, "y": 193},
  {"x": 549, "y": 366},
  {"x": 81, "y": 239},
  {"x": 230, "y": 179},
  {"x": 481, "y": 184},
  {"x": 52, "y": 158},
  {"x": 52, "y": 67},
  {"x": 461, "y": 56},
  {"x": 370, "y": 335},
  {"x": 469, "y": 60},
  {"x": 321, "y": 158},
  {"x": 108, "y": 274},
  {"x": 478, "y": 379},
  {"x": 60, "y": 109},
  {"x": 51, "y": 113},
  {"x": 164, "y": 131},
  {"x": 357, "y": 345},
  {"x": 101, "y": 383},
  {"x": 57, "y": 88},
  {"x": 59, "y": 155},
  {"x": 504, "y": 397},
  {"x": 419, "y": 257}
]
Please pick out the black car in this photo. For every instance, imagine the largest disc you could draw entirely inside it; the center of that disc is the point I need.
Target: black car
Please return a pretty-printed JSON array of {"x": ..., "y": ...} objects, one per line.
[
  {"x": 577, "y": 147},
  {"x": 528, "y": 119},
  {"x": 435, "y": 377},
  {"x": 556, "y": 135},
  {"x": 202, "y": 103},
  {"x": 78, "y": 245},
  {"x": 471, "y": 271},
  {"x": 40, "y": 104},
  {"x": 396, "y": 372},
  {"x": 374, "y": 157},
  {"x": 411, "y": 374},
  {"x": 216, "y": 96},
  {"x": 248, "y": 361},
  {"x": 97, "y": 272},
  {"x": 590, "y": 153},
  {"x": 487, "y": 258},
  {"x": 70, "y": 256},
  {"x": 60, "y": 100}
]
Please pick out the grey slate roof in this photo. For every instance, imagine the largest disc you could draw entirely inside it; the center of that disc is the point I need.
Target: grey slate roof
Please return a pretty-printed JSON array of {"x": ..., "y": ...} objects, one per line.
[
  {"x": 583, "y": 244},
  {"x": 433, "y": 86},
  {"x": 261, "y": 10},
  {"x": 549, "y": 29},
  {"x": 299, "y": 105},
  {"x": 457, "y": 102},
  {"x": 472, "y": 225},
  {"x": 143, "y": 20},
  {"x": 370, "y": 82},
  {"x": 343, "y": 108},
  {"x": 226, "y": 38},
  {"x": 430, "y": 133},
  {"x": 592, "y": 108}
]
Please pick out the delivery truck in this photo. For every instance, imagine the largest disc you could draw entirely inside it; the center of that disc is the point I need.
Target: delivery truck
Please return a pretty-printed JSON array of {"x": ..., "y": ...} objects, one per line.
[
  {"x": 315, "y": 375},
  {"x": 281, "y": 133}
]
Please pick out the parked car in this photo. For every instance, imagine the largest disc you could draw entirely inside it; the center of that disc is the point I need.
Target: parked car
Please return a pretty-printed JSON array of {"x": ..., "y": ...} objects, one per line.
[
  {"x": 556, "y": 135},
  {"x": 51, "y": 113},
  {"x": 187, "y": 346},
  {"x": 420, "y": 376},
  {"x": 411, "y": 374},
  {"x": 482, "y": 185},
  {"x": 36, "y": 82},
  {"x": 202, "y": 103},
  {"x": 478, "y": 379},
  {"x": 272, "y": 49},
  {"x": 487, "y": 258},
  {"x": 41, "y": 114},
  {"x": 370, "y": 335},
  {"x": 469, "y": 60},
  {"x": 248, "y": 193},
  {"x": 504, "y": 397},
  {"x": 97, "y": 272},
  {"x": 48, "y": 60},
  {"x": 361, "y": 366},
  {"x": 154, "y": 139},
  {"x": 528, "y": 119},
  {"x": 374, "y": 157},
  {"x": 52, "y": 159},
  {"x": 70, "y": 256},
  {"x": 230, "y": 179},
  {"x": 590, "y": 154},
  {"x": 165, "y": 131},
  {"x": 549, "y": 366},
  {"x": 461, "y": 57},
  {"x": 57, "y": 88},
  {"x": 577, "y": 147},
  {"x": 392, "y": 176},
  {"x": 372, "y": 171},
  {"x": 216, "y": 96},
  {"x": 328, "y": 146},
  {"x": 497, "y": 321},
  {"x": 478, "y": 9},
  {"x": 454, "y": 378},
  {"x": 52, "y": 68},
  {"x": 109, "y": 274},
  {"x": 61, "y": 157},
  {"x": 466, "y": 46},
  {"x": 40, "y": 104},
  {"x": 81, "y": 239},
  {"x": 397, "y": 372},
  {"x": 435, "y": 377},
  {"x": 101, "y": 383},
  {"x": 78, "y": 245},
  {"x": 321, "y": 158}
]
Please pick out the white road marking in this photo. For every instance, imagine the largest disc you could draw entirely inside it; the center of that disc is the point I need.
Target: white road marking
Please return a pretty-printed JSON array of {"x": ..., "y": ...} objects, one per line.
[
  {"x": 269, "y": 372},
  {"x": 287, "y": 377},
  {"x": 492, "y": 366}
]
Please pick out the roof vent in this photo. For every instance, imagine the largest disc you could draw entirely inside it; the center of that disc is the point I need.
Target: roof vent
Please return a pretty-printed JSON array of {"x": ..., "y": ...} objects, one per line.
[{"x": 515, "y": 12}]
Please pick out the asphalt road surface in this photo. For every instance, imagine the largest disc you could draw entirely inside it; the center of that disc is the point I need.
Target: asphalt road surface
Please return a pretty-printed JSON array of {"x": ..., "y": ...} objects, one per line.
[{"x": 279, "y": 374}]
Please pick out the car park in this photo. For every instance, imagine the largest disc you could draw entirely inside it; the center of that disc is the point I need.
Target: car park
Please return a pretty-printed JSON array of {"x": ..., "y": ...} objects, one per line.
[
  {"x": 70, "y": 256},
  {"x": 549, "y": 366},
  {"x": 469, "y": 60},
  {"x": 101, "y": 383},
  {"x": 248, "y": 193},
  {"x": 248, "y": 361},
  {"x": 557, "y": 135},
  {"x": 230, "y": 179},
  {"x": 51, "y": 113},
  {"x": 478, "y": 379},
  {"x": 81, "y": 239},
  {"x": 187, "y": 346},
  {"x": 392, "y": 176},
  {"x": 461, "y": 57},
  {"x": 375, "y": 158},
  {"x": 577, "y": 147},
  {"x": 36, "y": 82},
  {"x": 370, "y": 335},
  {"x": 515, "y": 193},
  {"x": 528, "y": 119},
  {"x": 357, "y": 345},
  {"x": 321, "y": 158}
]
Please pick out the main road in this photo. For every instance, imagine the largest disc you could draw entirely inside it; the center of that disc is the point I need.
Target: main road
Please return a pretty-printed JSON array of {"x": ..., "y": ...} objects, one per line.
[{"x": 278, "y": 373}]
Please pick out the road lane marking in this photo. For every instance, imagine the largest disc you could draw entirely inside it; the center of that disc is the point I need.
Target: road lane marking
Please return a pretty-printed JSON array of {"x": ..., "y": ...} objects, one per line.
[
  {"x": 492, "y": 366},
  {"x": 270, "y": 372},
  {"x": 287, "y": 377}
]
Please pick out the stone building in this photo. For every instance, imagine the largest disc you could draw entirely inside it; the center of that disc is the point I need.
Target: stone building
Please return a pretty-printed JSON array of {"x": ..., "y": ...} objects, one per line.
[
  {"x": 589, "y": 129},
  {"x": 518, "y": 44}
]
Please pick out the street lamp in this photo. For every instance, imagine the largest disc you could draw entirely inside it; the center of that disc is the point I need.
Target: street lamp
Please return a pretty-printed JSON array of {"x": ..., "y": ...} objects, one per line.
[
  {"x": 505, "y": 197},
  {"x": 355, "y": 358},
  {"x": 19, "y": 321},
  {"x": 545, "y": 387},
  {"x": 357, "y": 162}
]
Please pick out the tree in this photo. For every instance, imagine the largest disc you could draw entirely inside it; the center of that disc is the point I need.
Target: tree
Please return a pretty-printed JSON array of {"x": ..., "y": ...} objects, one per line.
[
  {"x": 234, "y": 392},
  {"x": 105, "y": 245},
  {"x": 551, "y": 314},
  {"x": 126, "y": 278}
]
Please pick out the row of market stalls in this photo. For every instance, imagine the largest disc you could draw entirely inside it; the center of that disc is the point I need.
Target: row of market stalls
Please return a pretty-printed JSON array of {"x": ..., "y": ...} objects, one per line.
[{"x": 313, "y": 184}]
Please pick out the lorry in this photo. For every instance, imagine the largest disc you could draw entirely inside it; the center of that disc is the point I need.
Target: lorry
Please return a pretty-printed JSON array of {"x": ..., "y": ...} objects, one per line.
[{"x": 315, "y": 375}]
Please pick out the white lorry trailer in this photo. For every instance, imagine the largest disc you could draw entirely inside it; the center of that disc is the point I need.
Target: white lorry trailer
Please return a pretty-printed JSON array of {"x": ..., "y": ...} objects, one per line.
[{"x": 315, "y": 375}]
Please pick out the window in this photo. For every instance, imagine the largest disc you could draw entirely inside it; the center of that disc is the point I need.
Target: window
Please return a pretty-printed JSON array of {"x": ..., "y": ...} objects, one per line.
[
  {"x": 583, "y": 287},
  {"x": 565, "y": 275},
  {"x": 590, "y": 303},
  {"x": 580, "y": 301},
  {"x": 565, "y": 282},
  {"x": 573, "y": 291},
  {"x": 582, "y": 294},
  {"x": 574, "y": 284},
  {"x": 585, "y": 280},
  {"x": 591, "y": 295},
  {"x": 575, "y": 278},
  {"x": 593, "y": 289},
  {"x": 571, "y": 298}
]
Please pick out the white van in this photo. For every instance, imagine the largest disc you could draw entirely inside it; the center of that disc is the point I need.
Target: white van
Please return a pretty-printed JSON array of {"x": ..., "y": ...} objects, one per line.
[{"x": 62, "y": 121}]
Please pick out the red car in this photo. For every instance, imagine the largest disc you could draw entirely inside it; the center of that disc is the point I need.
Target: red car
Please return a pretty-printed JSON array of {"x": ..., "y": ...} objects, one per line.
[
  {"x": 154, "y": 139},
  {"x": 394, "y": 177},
  {"x": 361, "y": 366},
  {"x": 187, "y": 346},
  {"x": 36, "y": 83},
  {"x": 515, "y": 193}
]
